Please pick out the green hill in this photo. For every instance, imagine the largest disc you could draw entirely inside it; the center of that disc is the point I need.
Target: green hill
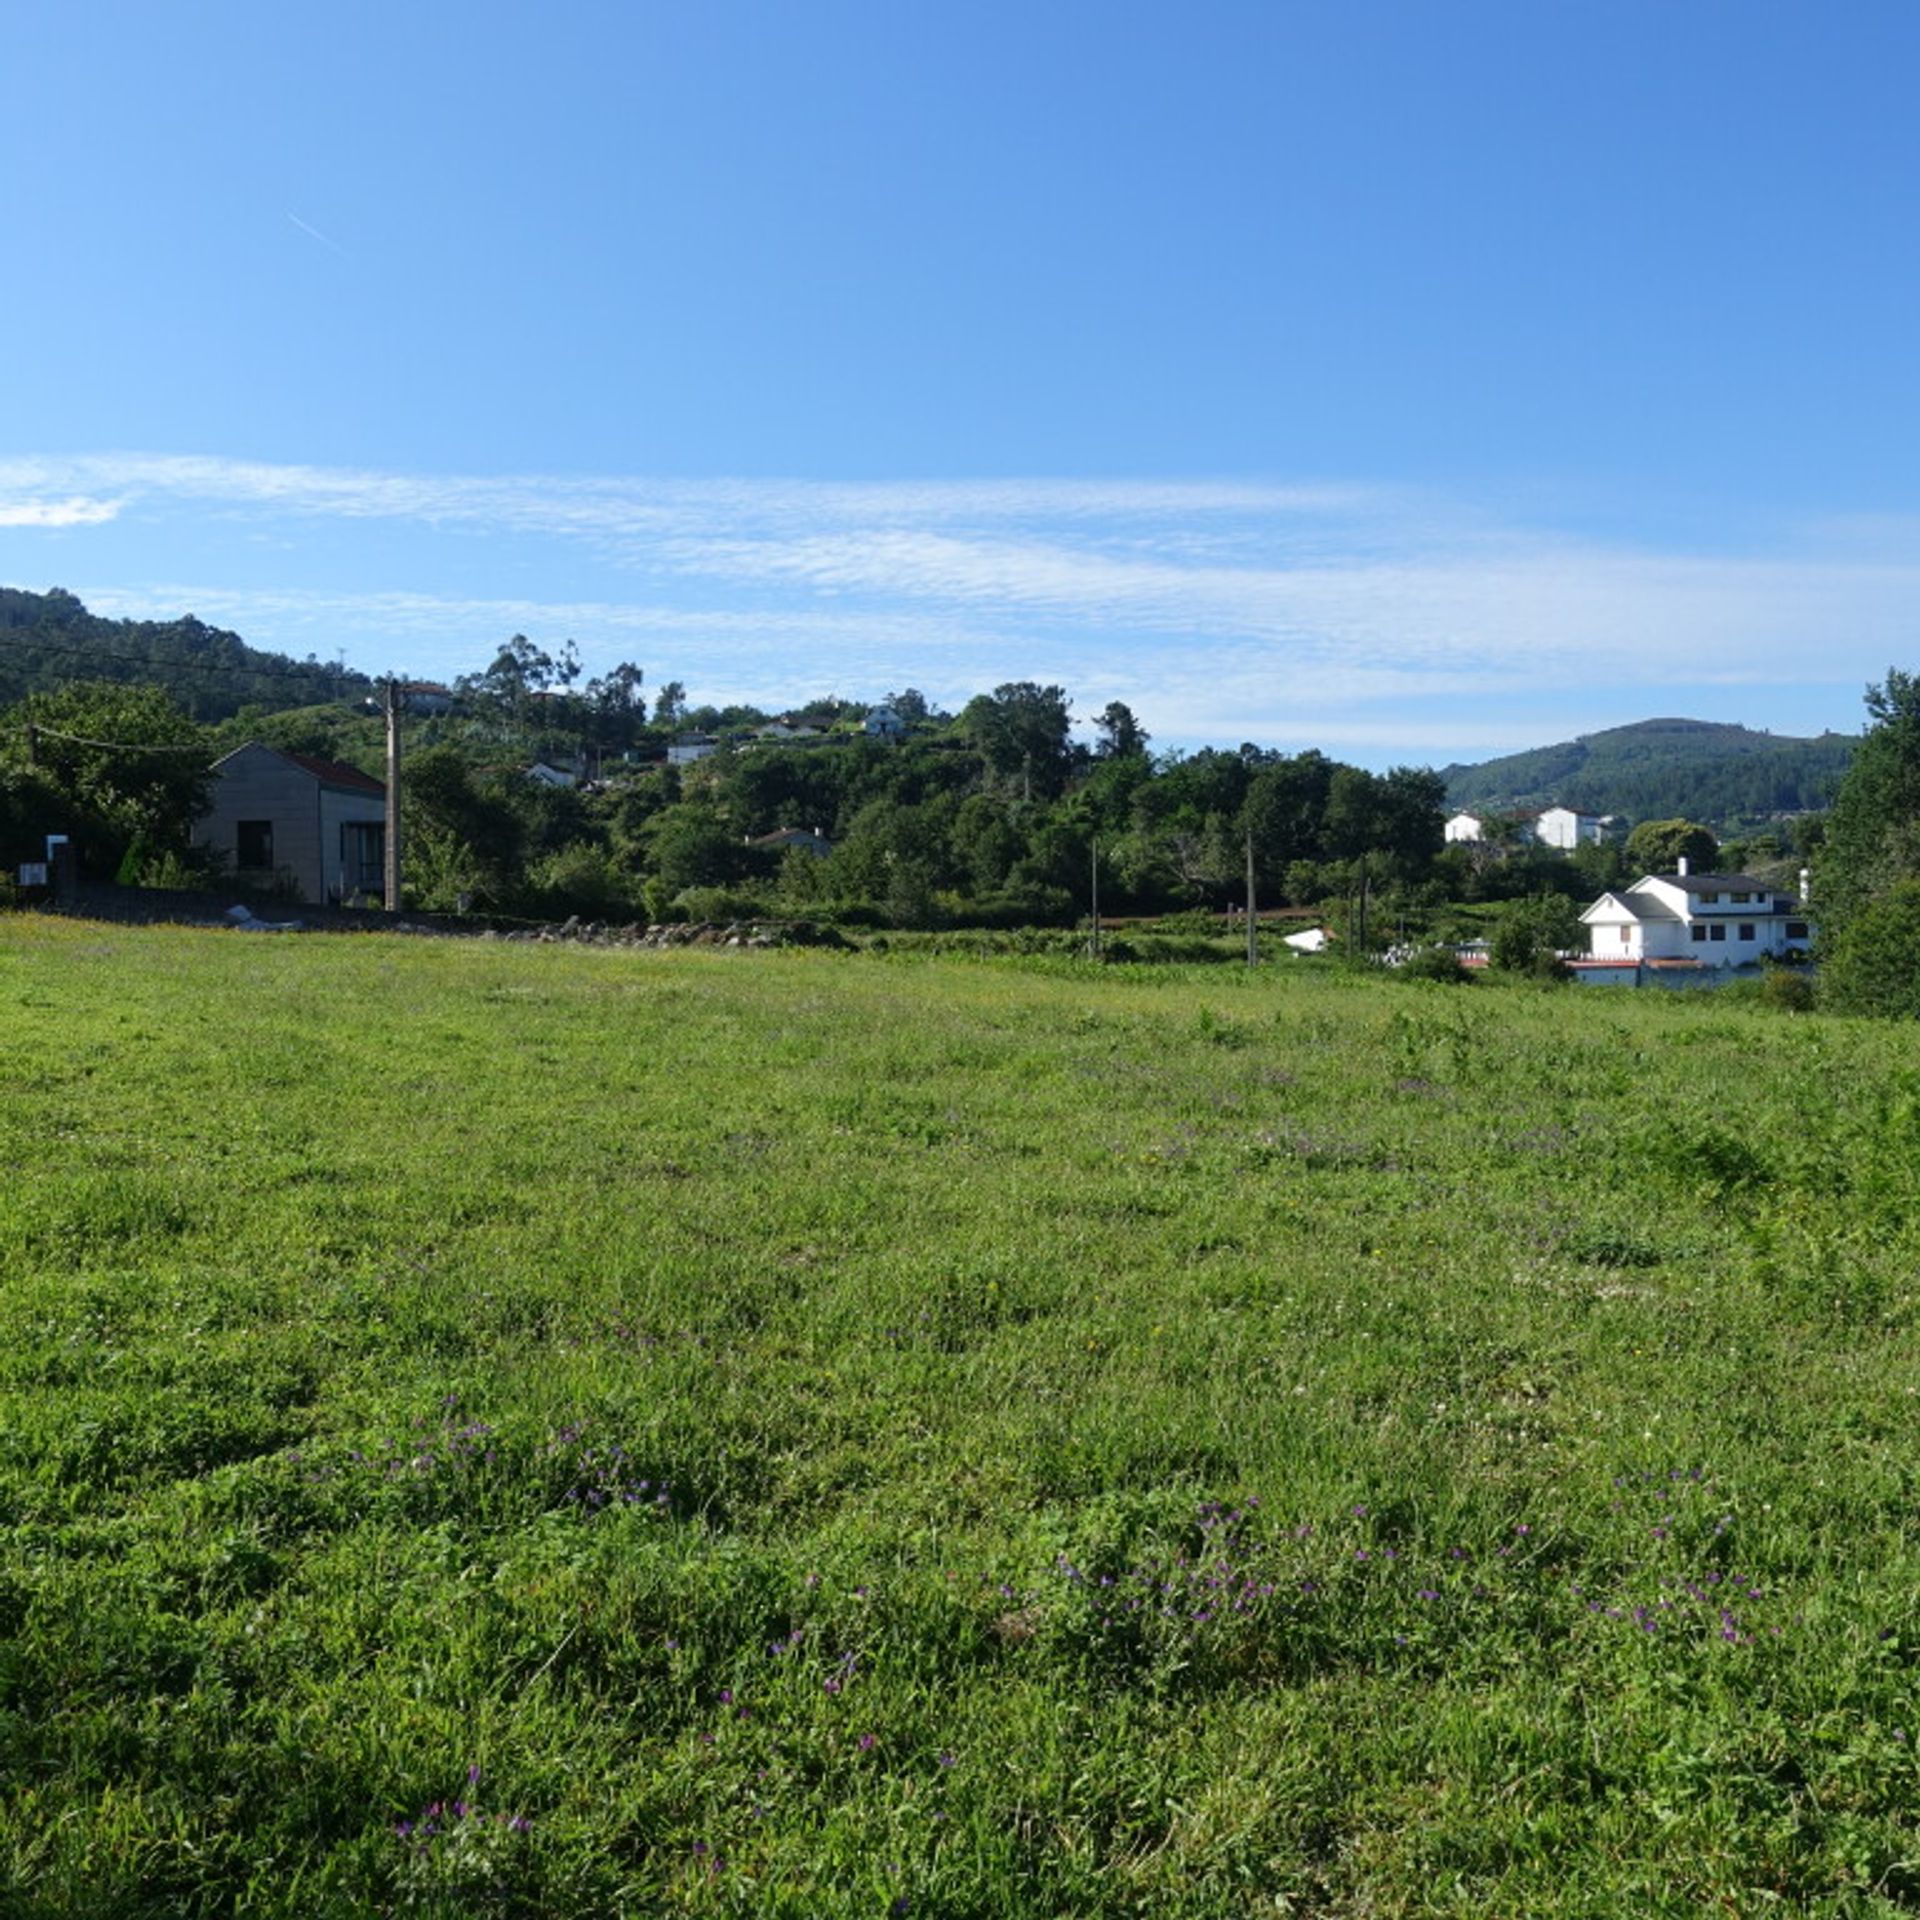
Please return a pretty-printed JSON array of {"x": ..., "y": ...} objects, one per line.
[
  {"x": 49, "y": 638},
  {"x": 1663, "y": 769}
]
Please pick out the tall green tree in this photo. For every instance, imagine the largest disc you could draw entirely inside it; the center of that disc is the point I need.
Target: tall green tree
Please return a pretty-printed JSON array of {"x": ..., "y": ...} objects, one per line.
[
  {"x": 1873, "y": 831},
  {"x": 129, "y": 767},
  {"x": 1120, "y": 733},
  {"x": 1871, "y": 962},
  {"x": 1020, "y": 731}
]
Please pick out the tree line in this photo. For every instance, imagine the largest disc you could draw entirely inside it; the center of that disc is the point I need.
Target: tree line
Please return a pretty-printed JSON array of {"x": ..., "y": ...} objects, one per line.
[{"x": 992, "y": 815}]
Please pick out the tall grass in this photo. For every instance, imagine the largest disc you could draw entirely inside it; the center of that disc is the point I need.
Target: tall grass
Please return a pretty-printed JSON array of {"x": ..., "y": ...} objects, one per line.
[{"x": 530, "y": 1430}]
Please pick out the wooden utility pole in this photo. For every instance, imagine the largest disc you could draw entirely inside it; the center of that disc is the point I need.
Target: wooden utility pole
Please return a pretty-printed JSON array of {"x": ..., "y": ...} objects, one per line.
[
  {"x": 1253, "y": 924},
  {"x": 1094, "y": 856},
  {"x": 394, "y": 700},
  {"x": 33, "y": 745}
]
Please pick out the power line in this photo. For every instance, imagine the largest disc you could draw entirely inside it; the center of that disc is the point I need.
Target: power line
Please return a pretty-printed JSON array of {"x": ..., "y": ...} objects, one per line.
[{"x": 40, "y": 731}]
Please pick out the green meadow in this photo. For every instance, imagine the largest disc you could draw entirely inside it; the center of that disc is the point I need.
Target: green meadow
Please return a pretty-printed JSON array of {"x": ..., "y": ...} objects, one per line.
[{"x": 502, "y": 1429}]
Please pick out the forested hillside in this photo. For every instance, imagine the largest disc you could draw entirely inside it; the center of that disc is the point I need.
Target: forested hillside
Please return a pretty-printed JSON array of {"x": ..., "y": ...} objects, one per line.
[
  {"x": 47, "y": 639},
  {"x": 1659, "y": 769}
]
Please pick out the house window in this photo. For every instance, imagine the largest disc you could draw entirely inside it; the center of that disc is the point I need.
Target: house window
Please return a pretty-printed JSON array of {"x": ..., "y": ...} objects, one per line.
[
  {"x": 1739, "y": 899},
  {"x": 253, "y": 845},
  {"x": 1699, "y": 930},
  {"x": 1716, "y": 933},
  {"x": 1709, "y": 899},
  {"x": 1796, "y": 929},
  {"x": 363, "y": 856},
  {"x": 1746, "y": 929}
]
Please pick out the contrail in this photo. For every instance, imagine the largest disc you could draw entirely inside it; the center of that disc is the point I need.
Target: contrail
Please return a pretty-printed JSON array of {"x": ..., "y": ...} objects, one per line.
[{"x": 314, "y": 233}]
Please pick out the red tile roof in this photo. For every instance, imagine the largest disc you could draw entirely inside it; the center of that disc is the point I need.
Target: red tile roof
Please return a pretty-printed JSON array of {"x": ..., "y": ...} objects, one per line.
[{"x": 333, "y": 773}]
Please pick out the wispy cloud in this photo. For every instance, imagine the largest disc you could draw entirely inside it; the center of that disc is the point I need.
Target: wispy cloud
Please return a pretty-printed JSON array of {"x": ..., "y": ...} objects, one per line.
[
  {"x": 1223, "y": 609},
  {"x": 314, "y": 233},
  {"x": 74, "y": 512}
]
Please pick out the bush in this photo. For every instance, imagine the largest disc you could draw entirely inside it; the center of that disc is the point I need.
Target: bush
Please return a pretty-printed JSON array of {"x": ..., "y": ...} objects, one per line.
[
  {"x": 1435, "y": 963},
  {"x": 1532, "y": 932},
  {"x": 1874, "y": 965},
  {"x": 1787, "y": 990},
  {"x": 718, "y": 904},
  {"x": 580, "y": 878}
]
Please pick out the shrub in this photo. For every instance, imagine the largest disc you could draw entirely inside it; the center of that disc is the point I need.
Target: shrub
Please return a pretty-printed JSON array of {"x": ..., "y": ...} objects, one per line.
[
  {"x": 1532, "y": 932},
  {"x": 1787, "y": 990},
  {"x": 718, "y": 904},
  {"x": 1435, "y": 963},
  {"x": 1874, "y": 965}
]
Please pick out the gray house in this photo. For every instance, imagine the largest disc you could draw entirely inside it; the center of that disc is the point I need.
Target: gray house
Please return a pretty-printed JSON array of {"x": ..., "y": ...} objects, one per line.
[{"x": 317, "y": 827}]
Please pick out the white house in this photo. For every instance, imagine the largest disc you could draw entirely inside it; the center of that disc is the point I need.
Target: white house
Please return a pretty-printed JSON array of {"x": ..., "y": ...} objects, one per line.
[
  {"x": 689, "y": 748},
  {"x": 882, "y": 723},
  {"x": 1562, "y": 827},
  {"x": 1708, "y": 919}
]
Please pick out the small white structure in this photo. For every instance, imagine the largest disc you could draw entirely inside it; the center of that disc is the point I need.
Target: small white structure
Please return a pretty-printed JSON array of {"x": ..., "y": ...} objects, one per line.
[
  {"x": 1312, "y": 940},
  {"x": 1698, "y": 919},
  {"x": 807, "y": 839},
  {"x": 689, "y": 748},
  {"x": 882, "y": 723},
  {"x": 1562, "y": 827},
  {"x": 543, "y": 773}
]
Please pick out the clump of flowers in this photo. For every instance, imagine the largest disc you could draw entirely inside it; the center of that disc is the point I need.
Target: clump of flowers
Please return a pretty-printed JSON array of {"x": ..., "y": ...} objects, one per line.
[
  {"x": 432, "y": 1447},
  {"x": 456, "y": 1846},
  {"x": 449, "y": 1457},
  {"x": 599, "y": 1478},
  {"x": 1230, "y": 1597}
]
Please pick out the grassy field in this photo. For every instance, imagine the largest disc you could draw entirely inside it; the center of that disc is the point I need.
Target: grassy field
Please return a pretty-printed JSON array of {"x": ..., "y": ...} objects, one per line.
[{"x": 499, "y": 1429}]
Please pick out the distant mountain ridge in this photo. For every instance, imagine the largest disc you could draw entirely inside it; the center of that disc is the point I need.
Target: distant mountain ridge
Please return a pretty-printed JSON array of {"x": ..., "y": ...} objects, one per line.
[
  {"x": 1665, "y": 769},
  {"x": 47, "y": 639}
]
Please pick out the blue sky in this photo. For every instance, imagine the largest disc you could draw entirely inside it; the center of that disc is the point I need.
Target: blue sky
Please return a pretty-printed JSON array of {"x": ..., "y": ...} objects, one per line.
[{"x": 1415, "y": 381}]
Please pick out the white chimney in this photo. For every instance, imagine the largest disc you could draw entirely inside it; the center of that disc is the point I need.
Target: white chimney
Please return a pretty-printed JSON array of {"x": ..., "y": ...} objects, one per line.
[
  {"x": 1683, "y": 866},
  {"x": 1806, "y": 885}
]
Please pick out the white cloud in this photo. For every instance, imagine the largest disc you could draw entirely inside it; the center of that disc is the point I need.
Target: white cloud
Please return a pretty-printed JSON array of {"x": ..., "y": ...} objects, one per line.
[
  {"x": 1221, "y": 609},
  {"x": 75, "y": 512}
]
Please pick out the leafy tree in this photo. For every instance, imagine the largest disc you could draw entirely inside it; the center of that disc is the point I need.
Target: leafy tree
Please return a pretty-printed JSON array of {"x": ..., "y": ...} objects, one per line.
[
  {"x": 1355, "y": 813},
  {"x": 1120, "y": 733},
  {"x": 615, "y": 706},
  {"x": 690, "y": 845},
  {"x": 1532, "y": 934},
  {"x": 1658, "y": 846},
  {"x": 1286, "y": 809},
  {"x": 128, "y": 767},
  {"x": 464, "y": 835},
  {"x": 1871, "y": 962},
  {"x": 985, "y": 842},
  {"x": 1021, "y": 731},
  {"x": 1873, "y": 831},
  {"x": 668, "y": 704},
  {"x": 1411, "y": 816}
]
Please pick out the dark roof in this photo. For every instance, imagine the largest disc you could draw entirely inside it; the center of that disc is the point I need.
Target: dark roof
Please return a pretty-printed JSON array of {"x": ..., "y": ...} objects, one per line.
[
  {"x": 1716, "y": 882},
  {"x": 1646, "y": 907},
  {"x": 334, "y": 773}
]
